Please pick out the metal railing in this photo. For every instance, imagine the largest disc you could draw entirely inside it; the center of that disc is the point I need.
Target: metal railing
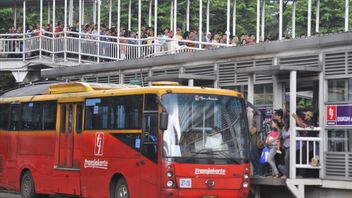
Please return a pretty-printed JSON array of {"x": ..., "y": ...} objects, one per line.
[
  {"x": 89, "y": 47},
  {"x": 308, "y": 145}
]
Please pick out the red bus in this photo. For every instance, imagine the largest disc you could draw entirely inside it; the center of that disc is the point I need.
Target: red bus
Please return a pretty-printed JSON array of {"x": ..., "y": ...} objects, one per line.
[{"x": 103, "y": 140}]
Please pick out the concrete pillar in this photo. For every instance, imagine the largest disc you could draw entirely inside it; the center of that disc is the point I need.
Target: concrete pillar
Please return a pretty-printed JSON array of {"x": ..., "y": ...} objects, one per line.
[
  {"x": 251, "y": 88},
  {"x": 277, "y": 93},
  {"x": 293, "y": 93}
]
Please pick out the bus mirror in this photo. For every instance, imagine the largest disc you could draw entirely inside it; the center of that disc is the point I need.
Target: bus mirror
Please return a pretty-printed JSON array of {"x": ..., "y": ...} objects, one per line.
[{"x": 164, "y": 119}]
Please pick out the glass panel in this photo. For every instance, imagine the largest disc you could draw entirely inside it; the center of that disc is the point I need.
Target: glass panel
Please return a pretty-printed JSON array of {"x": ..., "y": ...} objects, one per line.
[
  {"x": 205, "y": 129},
  {"x": 79, "y": 114},
  {"x": 337, "y": 90},
  {"x": 150, "y": 140},
  {"x": 151, "y": 102},
  {"x": 70, "y": 118},
  {"x": 340, "y": 90},
  {"x": 123, "y": 112},
  {"x": 63, "y": 118},
  {"x": 4, "y": 118},
  {"x": 15, "y": 117},
  {"x": 337, "y": 141},
  {"x": 263, "y": 94}
]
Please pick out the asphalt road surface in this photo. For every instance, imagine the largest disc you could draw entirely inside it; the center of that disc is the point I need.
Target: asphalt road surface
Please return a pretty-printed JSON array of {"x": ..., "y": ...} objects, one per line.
[
  {"x": 7, "y": 194},
  {"x": 4, "y": 194}
]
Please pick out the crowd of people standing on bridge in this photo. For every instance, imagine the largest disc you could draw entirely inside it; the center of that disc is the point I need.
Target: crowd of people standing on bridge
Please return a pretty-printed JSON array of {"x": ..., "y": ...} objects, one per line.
[
  {"x": 275, "y": 137},
  {"x": 165, "y": 38}
]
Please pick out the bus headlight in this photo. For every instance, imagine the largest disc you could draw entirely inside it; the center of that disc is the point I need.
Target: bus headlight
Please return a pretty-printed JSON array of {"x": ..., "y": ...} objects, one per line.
[
  {"x": 169, "y": 174},
  {"x": 245, "y": 185},
  {"x": 246, "y": 176},
  {"x": 169, "y": 183}
]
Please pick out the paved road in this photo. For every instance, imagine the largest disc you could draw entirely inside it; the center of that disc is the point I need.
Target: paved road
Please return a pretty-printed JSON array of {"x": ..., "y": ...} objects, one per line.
[
  {"x": 5, "y": 194},
  {"x": 9, "y": 195}
]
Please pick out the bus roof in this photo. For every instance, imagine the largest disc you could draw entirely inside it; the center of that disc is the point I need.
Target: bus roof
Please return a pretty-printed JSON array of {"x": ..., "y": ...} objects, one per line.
[{"x": 55, "y": 91}]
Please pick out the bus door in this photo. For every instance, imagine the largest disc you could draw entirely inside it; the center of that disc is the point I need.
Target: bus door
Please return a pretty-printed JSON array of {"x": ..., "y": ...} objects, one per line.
[
  {"x": 14, "y": 127},
  {"x": 70, "y": 127},
  {"x": 148, "y": 163}
]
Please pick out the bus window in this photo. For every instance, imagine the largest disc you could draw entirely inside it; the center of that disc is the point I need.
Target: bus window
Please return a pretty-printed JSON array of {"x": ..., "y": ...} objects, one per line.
[
  {"x": 123, "y": 112},
  {"x": 15, "y": 117},
  {"x": 63, "y": 118},
  {"x": 4, "y": 118},
  {"x": 38, "y": 116},
  {"x": 150, "y": 136},
  {"x": 70, "y": 118},
  {"x": 79, "y": 115},
  {"x": 151, "y": 103}
]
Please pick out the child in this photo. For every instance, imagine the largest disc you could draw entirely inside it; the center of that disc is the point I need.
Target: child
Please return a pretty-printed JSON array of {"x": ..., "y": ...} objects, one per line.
[
  {"x": 274, "y": 136},
  {"x": 274, "y": 144}
]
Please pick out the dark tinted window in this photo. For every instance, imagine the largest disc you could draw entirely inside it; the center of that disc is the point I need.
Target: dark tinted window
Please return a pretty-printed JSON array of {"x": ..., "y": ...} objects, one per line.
[
  {"x": 79, "y": 118},
  {"x": 4, "y": 116},
  {"x": 38, "y": 116},
  {"x": 124, "y": 112},
  {"x": 15, "y": 116},
  {"x": 151, "y": 102}
]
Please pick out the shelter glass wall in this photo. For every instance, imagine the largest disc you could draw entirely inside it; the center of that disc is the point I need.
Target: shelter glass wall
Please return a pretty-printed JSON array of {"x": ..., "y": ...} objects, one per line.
[{"x": 340, "y": 90}]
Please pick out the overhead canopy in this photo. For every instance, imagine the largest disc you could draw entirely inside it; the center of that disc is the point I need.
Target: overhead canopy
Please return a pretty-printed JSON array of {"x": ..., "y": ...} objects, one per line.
[{"x": 29, "y": 3}]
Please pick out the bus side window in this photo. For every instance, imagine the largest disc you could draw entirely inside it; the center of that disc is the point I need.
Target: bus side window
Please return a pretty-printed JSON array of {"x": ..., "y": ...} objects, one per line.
[
  {"x": 15, "y": 117},
  {"x": 79, "y": 114},
  {"x": 4, "y": 118}
]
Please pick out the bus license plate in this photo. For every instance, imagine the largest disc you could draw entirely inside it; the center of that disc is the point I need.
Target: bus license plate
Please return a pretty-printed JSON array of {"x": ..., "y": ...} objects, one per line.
[
  {"x": 185, "y": 183},
  {"x": 209, "y": 196}
]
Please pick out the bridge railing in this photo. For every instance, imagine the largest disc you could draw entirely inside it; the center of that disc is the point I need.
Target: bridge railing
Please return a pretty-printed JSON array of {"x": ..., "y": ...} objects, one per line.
[{"x": 90, "y": 47}]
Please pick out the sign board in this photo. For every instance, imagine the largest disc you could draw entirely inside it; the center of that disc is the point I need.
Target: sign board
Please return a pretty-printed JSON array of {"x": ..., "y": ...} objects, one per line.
[{"x": 339, "y": 115}]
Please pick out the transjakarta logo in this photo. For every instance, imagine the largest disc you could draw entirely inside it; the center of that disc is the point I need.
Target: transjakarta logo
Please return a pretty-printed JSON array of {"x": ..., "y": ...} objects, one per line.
[
  {"x": 210, "y": 171},
  {"x": 99, "y": 144},
  {"x": 96, "y": 164}
]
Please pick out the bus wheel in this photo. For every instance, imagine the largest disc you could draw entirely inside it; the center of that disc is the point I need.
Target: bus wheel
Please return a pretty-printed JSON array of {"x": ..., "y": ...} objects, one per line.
[
  {"x": 121, "y": 190},
  {"x": 27, "y": 186}
]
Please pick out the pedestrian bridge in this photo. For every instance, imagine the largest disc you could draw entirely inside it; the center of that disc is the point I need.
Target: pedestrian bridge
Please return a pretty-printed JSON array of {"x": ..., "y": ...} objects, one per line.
[{"x": 272, "y": 75}]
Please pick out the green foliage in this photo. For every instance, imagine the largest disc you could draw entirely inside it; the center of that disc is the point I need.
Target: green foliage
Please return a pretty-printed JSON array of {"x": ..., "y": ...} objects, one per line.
[{"x": 331, "y": 15}]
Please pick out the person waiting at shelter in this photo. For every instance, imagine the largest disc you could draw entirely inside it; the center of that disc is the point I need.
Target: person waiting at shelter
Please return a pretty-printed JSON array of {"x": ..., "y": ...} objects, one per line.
[
  {"x": 273, "y": 141},
  {"x": 254, "y": 151},
  {"x": 304, "y": 119}
]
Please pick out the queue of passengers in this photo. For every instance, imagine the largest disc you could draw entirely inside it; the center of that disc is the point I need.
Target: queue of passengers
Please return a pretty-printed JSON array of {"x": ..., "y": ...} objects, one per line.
[{"x": 276, "y": 137}]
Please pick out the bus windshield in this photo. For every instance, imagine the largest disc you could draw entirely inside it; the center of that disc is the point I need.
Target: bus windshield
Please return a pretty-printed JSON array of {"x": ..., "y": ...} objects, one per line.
[{"x": 205, "y": 129}]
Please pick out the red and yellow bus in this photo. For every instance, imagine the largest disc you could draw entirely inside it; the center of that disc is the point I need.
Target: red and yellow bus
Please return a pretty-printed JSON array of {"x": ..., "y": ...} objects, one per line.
[{"x": 105, "y": 140}]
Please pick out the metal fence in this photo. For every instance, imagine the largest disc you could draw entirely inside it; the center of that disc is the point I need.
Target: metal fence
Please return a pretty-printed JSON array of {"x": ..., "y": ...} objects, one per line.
[{"x": 89, "y": 47}]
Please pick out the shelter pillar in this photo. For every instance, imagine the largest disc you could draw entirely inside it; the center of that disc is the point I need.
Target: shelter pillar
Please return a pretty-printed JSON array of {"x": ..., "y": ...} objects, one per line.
[
  {"x": 250, "y": 96},
  {"x": 15, "y": 15},
  {"x": 294, "y": 19},
  {"x": 234, "y": 18},
  {"x": 309, "y": 24},
  {"x": 24, "y": 31},
  {"x": 70, "y": 14},
  {"x": 293, "y": 93},
  {"x": 347, "y": 11},
  {"x": 277, "y": 93},
  {"x": 258, "y": 21},
  {"x": 280, "y": 19}
]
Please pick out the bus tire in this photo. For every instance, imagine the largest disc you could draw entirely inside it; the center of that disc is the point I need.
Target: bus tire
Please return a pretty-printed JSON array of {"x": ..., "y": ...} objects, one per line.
[
  {"x": 27, "y": 186},
  {"x": 121, "y": 189}
]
